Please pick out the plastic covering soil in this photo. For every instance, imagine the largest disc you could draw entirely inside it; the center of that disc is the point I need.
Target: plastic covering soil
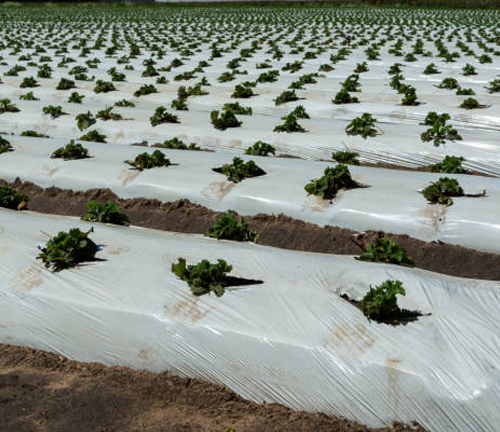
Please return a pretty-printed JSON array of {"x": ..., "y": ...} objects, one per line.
[{"x": 291, "y": 340}]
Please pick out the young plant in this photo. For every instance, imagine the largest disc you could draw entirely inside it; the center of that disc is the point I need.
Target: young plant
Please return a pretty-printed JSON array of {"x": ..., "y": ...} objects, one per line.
[
  {"x": 53, "y": 111},
  {"x": 441, "y": 191},
  {"x": 94, "y": 136},
  {"x": 5, "y": 145},
  {"x": 75, "y": 97},
  {"x": 494, "y": 86},
  {"x": 239, "y": 170},
  {"x": 147, "y": 161},
  {"x": 333, "y": 180},
  {"x": 291, "y": 125},
  {"x": 410, "y": 97},
  {"x": 104, "y": 87},
  {"x": 105, "y": 213},
  {"x": 33, "y": 134},
  {"x": 439, "y": 131},
  {"x": 449, "y": 165},
  {"x": 179, "y": 105},
  {"x": 107, "y": 114},
  {"x": 380, "y": 303},
  {"x": 145, "y": 90},
  {"x": 7, "y": 106},
  {"x": 223, "y": 120},
  {"x": 431, "y": 69},
  {"x": 386, "y": 251},
  {"x": 300, "y": 112},
  {"x": 344, "y": 97},
  {"x": 66, "y": 84},
  {"x": 242, "y": 92},
  {"x": 465, "y": 92},
  {"x": 177, "y": 144},
  {"x": 84, "y": 120},
  {"x": 28, "y": 97},
  {"x": 286, "y": 96},
  {"x": 203, "y": 277},
  {"x": 364, "y": 126},
  {"x": 125, "y": 103},
  {"x": 11, "y": 199},
  {"x": 71, "y": 151},
  {"x": 161, "y": 115},
  {"x": 227, "y": 227},
  {"x": 237, "y": 108},
  {"x": 468, "y": 69},
  {"x": 260, "y": 148},
  {"x": 448, "y": 83},
  {"x": 346, "y": 157},
  {"x": 68, "y": 249},
  {"x": 471, "y": 103}
]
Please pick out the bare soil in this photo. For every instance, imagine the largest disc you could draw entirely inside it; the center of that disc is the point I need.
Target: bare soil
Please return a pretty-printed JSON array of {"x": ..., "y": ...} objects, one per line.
[
  {"x": 279, "y": 231},
  {"x": 45, "y": 392}
]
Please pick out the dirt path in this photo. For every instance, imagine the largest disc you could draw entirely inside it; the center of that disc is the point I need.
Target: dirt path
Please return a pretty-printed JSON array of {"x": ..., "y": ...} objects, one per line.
[
  {"x": 279, "y": 231},
  {"x": 44, "y": 392}
]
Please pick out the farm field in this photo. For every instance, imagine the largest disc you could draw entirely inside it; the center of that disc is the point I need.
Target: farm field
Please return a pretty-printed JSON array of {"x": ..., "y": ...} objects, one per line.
[{"x": 295, "y": 204}]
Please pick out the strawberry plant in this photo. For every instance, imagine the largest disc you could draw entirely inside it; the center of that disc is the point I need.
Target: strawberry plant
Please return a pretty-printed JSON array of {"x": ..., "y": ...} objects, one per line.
[
  {"x": 66, "y": 84},
  {"x": 145, "y": 90},
  {"x": 239, "y": 170},
  {"x": 177, "y": 144},
  {"x": 469, "y": 70},
  {"x": 107, "y": 114},
  {"x": 28, "y": 82},
  {"x": 53, "y": 111},
  {"x": 386, "y": 251},
  {"x": 179, "y": 105},
  {"x": 5, "y": 145},
  {"x": 364, "y": 126},
  {"x": 68, "y": 249},
  {"x": 380, "y": 303},
  {"x": 75, "y": 97},
  {"x": 260, "y": 148},
  {"x": 441, "y": 191},
  {"x": 333, "y": 180},
  {"x": 494, "y": 86},
  {"x": 105, "y": 213},
  {"x": 465, "y": 92},
  {"x": 227, "y": 227},
  {"x": 12, "y": 200},
  {"x": 242, "y": 92},
  {"x": 147, "y": 161},
  {"x": 237, "y": 108},
  {"x": 286, "y": 96},
  {"x": 291, "y": 125},
  {"x": 71, "y": 151},
  {"x": 440, "y": 131},
  {"x": 431, "y": 69},
  {"x": 94, "y": 136},
  {"x": 85, "y": 120},
  {"x": 410, "y": 97},
  {"x": 203, "y": 277},
  {"x": 7, "y": 106},
  {"x": 346, "y": 157},
  {"x": 351, "y": 84},
  {"x": 344, "y": 97},
  {"x": 161, "y": 115},
  {"x": 300, "y": 112},
  {"x": 33, "y": 134},
  {"x": 104, "y": 86},
  {"x": 125, "y": 103},
  {"x": 223, "y": 120},
  {"x": 450, "y": 165},
  {"x": 448, "y": 83},
  {"x": 28, "y": 97},
  {"x": 471, "y": 103}
]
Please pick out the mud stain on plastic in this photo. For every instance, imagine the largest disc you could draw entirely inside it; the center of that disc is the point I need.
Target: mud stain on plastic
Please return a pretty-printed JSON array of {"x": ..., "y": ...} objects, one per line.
[
  {"x": 143, "y": 354},
  {"x": 391, "y": 365},
  {"x": 127, "y": 175},
  {"x": 50, "y": 170},
  {"x": 218, "y": 189},
  {"x": 435, "y": 213},
  {"x": 118, "y": 249},
  {"x": 235, "y": 143},
  {"x": 316, "y": 204},
  {"x": 188, "y": 309},
  {"x": 30, "y": 277},
  {"x": 354, "y": 338}
]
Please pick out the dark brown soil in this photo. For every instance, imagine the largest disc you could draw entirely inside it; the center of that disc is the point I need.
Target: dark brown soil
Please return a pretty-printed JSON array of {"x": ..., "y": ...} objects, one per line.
[
  {"x": 279, "y": 231},
  {"x": 44, "y": 392},
  {"x": 420, "y": 168}
]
